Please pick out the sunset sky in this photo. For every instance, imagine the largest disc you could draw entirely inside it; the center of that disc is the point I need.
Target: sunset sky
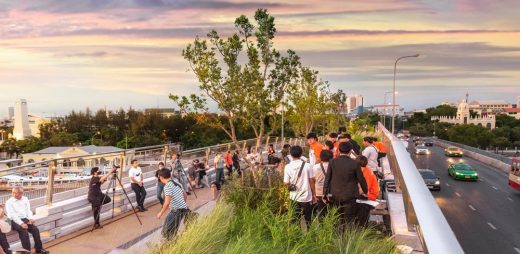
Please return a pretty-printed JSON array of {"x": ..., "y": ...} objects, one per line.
[{"x": 64, "y": 55}]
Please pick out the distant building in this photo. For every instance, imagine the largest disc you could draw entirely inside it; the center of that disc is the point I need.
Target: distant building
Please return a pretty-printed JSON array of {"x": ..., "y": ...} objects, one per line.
[
  {"x": 166, "y": 112},
  {"x": 21, "y": 120},
  {"x": 59, "y": 152},
  {"x": 489, "y": 106},
  {"x": 354, "y": 103},
  {"x": 463, "y": 117},
  {"x": 514, "y": 112},
  {"x": 10, "y": 111}
]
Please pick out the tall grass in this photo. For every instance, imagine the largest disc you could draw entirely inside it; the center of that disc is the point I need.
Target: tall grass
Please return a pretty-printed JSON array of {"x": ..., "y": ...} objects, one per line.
[{"x": 257, "y": 219}]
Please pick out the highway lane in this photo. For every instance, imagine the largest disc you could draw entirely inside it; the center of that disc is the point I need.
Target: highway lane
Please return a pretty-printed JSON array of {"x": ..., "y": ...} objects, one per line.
[{"x": 484, "y": 215}]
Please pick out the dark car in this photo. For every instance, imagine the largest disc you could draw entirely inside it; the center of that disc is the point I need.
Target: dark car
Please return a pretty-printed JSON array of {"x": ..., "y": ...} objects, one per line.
[
  {"x": 430, "y": 179},
  {"x": 428, "y": 142}
]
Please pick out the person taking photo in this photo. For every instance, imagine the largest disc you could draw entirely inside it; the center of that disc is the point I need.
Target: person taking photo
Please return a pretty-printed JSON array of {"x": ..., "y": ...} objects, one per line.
[{"x": 95, "y": 196}]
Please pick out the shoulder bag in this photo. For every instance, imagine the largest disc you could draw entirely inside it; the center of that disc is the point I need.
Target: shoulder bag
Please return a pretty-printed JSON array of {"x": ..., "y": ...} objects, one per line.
[{"x": 292, "y": 186}]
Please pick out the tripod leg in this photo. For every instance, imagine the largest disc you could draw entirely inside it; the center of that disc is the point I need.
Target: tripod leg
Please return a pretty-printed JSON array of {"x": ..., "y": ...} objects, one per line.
[
  {"x": 113, "y": 181},
  {"x": 183, "y": 178},
  {"x": 127, "y": 198}
]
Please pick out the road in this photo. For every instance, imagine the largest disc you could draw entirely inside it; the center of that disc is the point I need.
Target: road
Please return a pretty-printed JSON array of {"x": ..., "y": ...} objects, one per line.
[{"x": 484, "y": 215}]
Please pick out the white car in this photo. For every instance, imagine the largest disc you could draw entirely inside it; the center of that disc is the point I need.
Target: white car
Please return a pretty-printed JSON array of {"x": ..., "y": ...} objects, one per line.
[{"x": 422, "y": 150}]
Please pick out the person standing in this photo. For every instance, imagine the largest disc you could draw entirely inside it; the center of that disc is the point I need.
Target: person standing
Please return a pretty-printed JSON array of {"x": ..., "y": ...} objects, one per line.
[
  {"x": 315, "y": 148},
  {"x": 299, "y": 178},
  {"x": 320, "y": 170},
  {"x": 381, "y": 148},
  {"x": 136, "y": 177},
  {"x": 371, "y": 153},
  {"x": 363, "y": 210},
  {"x": 236, "y": 162},
  {"x": 19, "y": 211},
  {"x": 5, "y": 227},
  {"x": 95, "y": 196},
  {"x": 218, "y": 163},
  {"x": 341, "y": 184},
  {"x": 160, "y": 185},
  {"x": 229, "y": 163},
  {"x": 174, "y": 202},
  {"x": 355, "y": 146}
]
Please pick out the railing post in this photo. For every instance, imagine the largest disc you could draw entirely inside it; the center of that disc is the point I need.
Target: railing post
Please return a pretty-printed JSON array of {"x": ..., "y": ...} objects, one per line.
[
  {"x": 290, "y": 142},
  {"x": 50, "y": 182},
  {"x": 229, "y": 147},
  {"x": 207, "y": 155},
  {"x": 267, "y": 143},
  {"x": 276, "y": 143},
  {"x": 244, "y": 146},
  {"x": 122, "y": 165},
  {"x": 166, "y": 150},
  {"x": 283, "y": 141}
]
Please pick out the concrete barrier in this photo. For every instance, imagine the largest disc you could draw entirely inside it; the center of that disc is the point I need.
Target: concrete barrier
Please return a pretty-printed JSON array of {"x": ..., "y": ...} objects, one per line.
[{"x": 494, "y": 163}]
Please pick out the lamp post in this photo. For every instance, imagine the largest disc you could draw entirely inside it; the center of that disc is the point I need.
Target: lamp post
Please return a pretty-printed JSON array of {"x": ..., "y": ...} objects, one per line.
[
  {"x": 92, "y": 139},
  {"x": 393, "y": 90},
  {"x": 384, "y": 109}
]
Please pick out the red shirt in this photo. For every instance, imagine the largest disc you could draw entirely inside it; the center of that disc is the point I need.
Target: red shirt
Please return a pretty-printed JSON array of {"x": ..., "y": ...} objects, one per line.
[
  {"x": 317, "y": 147},
  {"x": 227, "y": 157},
  {"x": 380, "y": 146}
]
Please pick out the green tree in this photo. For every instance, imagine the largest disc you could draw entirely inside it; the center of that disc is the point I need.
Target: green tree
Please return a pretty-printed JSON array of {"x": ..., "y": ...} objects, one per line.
[
  {"x": 250, "y": 91},
  {"x": 309, "y": 100}
]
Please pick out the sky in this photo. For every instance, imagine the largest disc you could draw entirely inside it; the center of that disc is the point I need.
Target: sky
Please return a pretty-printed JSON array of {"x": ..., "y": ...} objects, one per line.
[{"x": 64, "y": 55}]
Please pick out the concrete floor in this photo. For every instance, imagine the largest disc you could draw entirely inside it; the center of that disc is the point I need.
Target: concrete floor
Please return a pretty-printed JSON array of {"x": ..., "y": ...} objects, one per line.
[{"x": 120, "y": 231}]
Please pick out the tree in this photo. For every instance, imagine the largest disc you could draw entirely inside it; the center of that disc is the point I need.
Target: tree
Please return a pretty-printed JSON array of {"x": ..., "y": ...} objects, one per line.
[
  {"x": 309, "y": 100},
  {"x": 441, "y": 110},
  {"x": 250, "y": 91}
]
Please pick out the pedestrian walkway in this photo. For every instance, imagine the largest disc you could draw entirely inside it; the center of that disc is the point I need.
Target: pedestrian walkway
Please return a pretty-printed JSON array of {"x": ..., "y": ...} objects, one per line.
[{"x": 121, "y": 232}]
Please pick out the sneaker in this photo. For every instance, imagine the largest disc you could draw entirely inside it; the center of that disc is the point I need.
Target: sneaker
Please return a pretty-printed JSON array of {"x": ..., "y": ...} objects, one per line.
[
  {"x": 144, "y": 209},
  {"x": 42, "y": 251},
  {"x": 140, "y": 209}
]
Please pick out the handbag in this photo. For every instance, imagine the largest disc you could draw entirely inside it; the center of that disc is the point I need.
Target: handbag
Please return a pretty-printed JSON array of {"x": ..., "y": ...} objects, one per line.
[{"x": 292, "y": 186}]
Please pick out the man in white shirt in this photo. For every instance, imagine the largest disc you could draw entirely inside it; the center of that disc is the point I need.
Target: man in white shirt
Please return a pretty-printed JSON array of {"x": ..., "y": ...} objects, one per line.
[
  {"x": 299, "y": 174},
  {"x": 136, "y": 177},
  {"x": 19, "y": 211},
  {"x": 370, "y": 152}
]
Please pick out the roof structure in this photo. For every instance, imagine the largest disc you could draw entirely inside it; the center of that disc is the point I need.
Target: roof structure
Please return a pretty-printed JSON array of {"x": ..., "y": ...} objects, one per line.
[{"x": 91, "y": 149}]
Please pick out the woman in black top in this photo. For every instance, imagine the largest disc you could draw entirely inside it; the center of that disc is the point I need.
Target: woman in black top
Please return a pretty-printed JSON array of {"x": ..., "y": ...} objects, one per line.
[{"x": 96, "y": 196}]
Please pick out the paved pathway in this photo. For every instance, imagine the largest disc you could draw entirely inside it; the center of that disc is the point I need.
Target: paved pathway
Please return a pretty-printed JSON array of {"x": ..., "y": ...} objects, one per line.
[{"x": 119, "y": 232}]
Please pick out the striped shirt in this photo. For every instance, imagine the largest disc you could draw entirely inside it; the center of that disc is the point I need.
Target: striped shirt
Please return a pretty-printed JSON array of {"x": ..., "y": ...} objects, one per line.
[{"x": 177, "y": 198}]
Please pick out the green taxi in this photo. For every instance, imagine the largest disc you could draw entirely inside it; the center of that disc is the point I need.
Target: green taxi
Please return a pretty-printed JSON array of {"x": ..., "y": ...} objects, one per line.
[{"x": 462, "y": 171}]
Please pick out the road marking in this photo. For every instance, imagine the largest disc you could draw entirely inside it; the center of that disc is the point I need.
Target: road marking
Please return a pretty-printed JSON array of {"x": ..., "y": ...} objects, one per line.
[
  {"x": 448, "y": 185},
  {"x": 491, "y": 225},
  {"x": 510, "y": 199},
  {"x": 472, "y": 208},
  {"x": 494, "y": 187},
  {"x": 517, "y": 250},
  {"x": 458, "y": 195},
  {"x": 480, "y": 179}
]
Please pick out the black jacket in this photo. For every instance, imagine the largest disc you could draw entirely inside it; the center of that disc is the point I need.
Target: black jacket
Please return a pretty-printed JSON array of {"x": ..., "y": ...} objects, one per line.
[
  {"x": 355, "y": 147},
  {"x": 342, "y": 178}
]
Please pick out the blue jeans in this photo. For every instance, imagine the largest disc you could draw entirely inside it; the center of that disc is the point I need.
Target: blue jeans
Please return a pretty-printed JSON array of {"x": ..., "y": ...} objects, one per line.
[
  {"x": 160, "y": 188},
  {"x": 219, "y": 177}
]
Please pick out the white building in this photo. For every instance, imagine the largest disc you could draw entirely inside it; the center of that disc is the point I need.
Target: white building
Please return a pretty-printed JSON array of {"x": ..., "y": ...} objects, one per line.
[
  {"x": 489, "y": 106},
  {"x": 463, "y": 117},
  {"x": 25, "y": 124},
  {"x": 21, "y": 120},
  {"x": 514, "y": 112}
]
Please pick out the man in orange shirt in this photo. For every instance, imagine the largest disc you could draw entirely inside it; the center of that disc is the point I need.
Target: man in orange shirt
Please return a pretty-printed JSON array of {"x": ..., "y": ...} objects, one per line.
[
  {"x": 315, "y": 148},
  {"x": 381, "y": 148},
  {"x": 363, "y": 210}
]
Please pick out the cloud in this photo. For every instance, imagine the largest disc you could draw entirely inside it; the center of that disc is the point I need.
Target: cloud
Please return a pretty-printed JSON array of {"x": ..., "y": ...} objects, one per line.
[
  {"x": 390, "y": 32},
  {"x": 74, "y": 6},
  {"x": 95, "y": 54}
]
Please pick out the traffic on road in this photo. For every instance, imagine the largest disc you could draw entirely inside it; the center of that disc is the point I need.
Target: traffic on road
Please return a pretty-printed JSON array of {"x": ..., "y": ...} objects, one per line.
[{"x": 484, "y": 212}]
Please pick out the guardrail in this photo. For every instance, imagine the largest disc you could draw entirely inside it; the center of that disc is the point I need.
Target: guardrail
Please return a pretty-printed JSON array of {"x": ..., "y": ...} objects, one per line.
[
  {"x": 123, "y": 158},
  {"x": 422, "y": 212}
]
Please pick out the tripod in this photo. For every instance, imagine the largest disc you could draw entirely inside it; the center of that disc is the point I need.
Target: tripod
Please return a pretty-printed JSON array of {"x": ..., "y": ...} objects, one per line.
[
  {"x": 112, "y": 184},
  {"x": 183, "y": 177}
]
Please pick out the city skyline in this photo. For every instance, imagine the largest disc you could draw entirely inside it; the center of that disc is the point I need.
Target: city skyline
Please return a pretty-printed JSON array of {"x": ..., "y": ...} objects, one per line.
[{"x": 69, "y": 55}]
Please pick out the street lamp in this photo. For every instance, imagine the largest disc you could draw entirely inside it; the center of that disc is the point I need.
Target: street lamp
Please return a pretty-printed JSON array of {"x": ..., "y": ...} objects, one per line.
[
  {"x": 384, "y": 108},
  {"x": 393, "y": 90}
]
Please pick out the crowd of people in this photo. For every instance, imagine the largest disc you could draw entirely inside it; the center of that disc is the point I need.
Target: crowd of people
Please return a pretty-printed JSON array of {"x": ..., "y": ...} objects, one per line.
[{"x": 336, "y": 174}]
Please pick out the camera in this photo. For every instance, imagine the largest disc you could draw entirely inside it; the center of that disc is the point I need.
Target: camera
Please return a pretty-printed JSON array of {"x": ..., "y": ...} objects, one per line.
[{"x": 292, "y": 187}]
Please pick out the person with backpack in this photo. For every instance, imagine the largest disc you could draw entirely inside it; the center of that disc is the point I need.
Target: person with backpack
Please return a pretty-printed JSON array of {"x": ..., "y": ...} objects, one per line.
[{"x": 174, "y": 203}]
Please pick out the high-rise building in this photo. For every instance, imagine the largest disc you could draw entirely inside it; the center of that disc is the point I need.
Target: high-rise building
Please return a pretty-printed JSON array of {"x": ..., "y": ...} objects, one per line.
[
  {"x": 11, "y": 113},
  {"x": 21, "y": 120}
]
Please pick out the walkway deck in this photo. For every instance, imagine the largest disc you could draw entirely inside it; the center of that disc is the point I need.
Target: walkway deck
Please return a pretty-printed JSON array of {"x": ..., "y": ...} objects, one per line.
[{"x": 120, "y": 231}]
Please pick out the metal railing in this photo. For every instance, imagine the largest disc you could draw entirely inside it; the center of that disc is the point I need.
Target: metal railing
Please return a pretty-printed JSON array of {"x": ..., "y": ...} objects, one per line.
[
  {"x": 422, "y": 212},
  {"x": 48, "y": 168}
]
